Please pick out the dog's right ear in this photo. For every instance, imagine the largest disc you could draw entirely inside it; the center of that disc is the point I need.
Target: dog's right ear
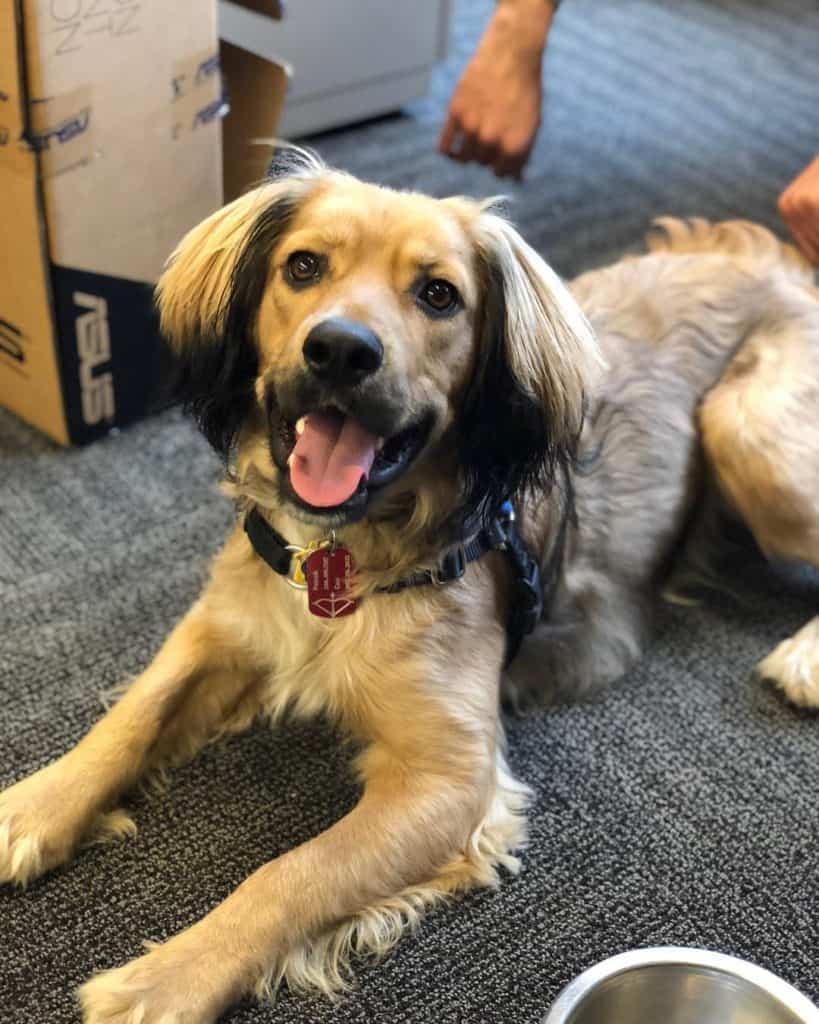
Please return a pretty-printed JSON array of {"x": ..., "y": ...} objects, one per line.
[{"x": 209, "y": 297}]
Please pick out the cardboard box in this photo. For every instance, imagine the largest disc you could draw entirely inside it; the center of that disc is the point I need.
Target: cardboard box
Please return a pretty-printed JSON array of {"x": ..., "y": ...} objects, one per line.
[{"x": 110, "y": 150}]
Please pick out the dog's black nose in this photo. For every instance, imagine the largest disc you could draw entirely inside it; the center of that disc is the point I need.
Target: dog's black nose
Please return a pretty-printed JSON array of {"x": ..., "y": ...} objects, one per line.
[{"x": 342, "y": 352}]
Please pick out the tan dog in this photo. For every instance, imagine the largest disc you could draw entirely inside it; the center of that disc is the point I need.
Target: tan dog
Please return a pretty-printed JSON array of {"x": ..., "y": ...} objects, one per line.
[{"x": 392, "y": 367}]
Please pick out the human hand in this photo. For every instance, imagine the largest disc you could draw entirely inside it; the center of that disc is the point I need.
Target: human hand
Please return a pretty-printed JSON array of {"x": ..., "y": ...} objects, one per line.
[
  {"x": 494, "y": 113},
  {"x": 799, "y": 208}
]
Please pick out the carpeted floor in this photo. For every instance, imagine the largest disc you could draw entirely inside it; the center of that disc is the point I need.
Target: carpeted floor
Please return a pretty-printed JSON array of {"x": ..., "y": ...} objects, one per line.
[{"x": 681, "y": 807}]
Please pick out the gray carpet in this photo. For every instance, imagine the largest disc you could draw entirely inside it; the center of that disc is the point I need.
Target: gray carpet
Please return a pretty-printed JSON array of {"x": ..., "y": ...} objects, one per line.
[{"x": 679, "y": 808}]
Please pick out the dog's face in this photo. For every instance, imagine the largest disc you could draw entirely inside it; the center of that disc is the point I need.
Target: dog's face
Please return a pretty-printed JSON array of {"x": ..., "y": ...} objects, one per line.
[
  {"x": 346, "y": 342},
  {"x": 364, "y": 336}
]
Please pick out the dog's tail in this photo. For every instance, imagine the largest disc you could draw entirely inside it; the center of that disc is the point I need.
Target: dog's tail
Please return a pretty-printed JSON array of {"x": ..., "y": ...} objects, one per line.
[{"x": 751, "y": 246}]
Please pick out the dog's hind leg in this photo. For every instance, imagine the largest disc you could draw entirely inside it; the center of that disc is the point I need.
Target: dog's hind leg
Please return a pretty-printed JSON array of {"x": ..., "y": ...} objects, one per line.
[
  {"x": 761, "y": 436},
  {"x": 196, "y": 686},
  {"x": 585, "y": 645}
]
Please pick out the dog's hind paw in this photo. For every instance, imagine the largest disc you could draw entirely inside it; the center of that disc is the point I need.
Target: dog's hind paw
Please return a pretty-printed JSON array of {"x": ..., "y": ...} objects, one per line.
[{"x": 793, "y": 666}]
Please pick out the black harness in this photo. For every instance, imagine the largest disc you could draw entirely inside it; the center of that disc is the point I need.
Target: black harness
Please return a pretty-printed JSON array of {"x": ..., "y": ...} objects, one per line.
[{"x": 532, "y": 591}]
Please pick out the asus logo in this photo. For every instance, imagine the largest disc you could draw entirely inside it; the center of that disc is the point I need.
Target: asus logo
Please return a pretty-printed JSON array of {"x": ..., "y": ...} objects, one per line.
[{"x": 94, "y": 352}]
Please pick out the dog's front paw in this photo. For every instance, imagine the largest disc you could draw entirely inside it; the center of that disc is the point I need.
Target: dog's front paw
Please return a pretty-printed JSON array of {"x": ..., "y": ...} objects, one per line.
[
  {"x": 43, "y": 818},
  {"x": 35, "y": 827},
  {"x": 134, "y": 994},
  {"x": 163, "y": 987}
]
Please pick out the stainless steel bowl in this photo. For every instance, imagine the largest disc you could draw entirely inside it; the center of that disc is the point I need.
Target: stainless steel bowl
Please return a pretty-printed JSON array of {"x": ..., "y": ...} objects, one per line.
[{"x": 673, "y": 985}]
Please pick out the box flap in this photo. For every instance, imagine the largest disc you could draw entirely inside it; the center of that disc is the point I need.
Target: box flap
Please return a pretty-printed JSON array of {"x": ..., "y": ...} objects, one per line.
[{"x": 257, "y": 89}]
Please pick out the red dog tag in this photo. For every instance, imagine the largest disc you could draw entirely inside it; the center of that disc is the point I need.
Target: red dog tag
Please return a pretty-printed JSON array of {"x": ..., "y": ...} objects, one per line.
[{"x": 329, "y": 577}]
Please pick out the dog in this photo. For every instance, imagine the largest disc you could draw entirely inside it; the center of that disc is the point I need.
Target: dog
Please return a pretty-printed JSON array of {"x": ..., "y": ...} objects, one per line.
[{"x": 384, "y": 373}]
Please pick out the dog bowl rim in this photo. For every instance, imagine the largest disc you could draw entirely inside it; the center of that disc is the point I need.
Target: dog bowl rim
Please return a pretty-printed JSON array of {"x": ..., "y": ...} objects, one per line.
[{"x": 575, "y": 993}]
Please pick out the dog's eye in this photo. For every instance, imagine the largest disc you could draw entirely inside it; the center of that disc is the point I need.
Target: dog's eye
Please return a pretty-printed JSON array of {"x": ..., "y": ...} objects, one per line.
[
  {"x": 304, "y": 266},
  {"x": 440, "y": 296}
]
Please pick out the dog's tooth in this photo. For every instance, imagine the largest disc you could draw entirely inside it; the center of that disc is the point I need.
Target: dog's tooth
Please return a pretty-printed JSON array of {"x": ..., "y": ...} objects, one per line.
[
  {"x": 379, "y": 444},
  {"x": 300, "y": 426}
]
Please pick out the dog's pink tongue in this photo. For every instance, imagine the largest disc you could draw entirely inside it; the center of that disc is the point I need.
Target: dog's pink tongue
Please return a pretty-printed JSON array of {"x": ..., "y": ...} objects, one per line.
[{"x": 331, "y": 456}]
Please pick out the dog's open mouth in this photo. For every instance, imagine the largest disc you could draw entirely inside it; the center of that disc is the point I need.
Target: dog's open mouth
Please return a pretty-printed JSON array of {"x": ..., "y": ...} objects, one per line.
[{"x": 334, "y": 461}]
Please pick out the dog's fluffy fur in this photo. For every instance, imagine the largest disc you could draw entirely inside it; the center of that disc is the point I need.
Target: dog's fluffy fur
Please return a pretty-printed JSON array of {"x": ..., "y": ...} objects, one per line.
[{"x": 711, "y": 390}]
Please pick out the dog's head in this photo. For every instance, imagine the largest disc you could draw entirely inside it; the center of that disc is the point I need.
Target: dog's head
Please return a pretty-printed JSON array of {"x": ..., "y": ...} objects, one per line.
[{"x": 345, "y": 344}]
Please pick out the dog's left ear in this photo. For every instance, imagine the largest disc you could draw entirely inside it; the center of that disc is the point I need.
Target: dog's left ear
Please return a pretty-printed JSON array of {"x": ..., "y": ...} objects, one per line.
[{"x": 523, "y": 410}]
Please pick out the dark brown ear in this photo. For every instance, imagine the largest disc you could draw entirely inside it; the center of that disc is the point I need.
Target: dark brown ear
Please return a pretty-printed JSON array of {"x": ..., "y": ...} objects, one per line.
[
  {"x": 209, "y": 297},
  {"x": 536, "y": 354}
]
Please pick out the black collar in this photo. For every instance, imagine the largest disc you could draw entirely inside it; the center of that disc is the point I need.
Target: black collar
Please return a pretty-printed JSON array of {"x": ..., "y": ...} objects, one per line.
[{"x": 500, "y": 534}]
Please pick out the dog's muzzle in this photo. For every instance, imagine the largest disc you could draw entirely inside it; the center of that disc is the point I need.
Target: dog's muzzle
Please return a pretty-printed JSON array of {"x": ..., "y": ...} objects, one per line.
[{"x": 339, "y": 429}]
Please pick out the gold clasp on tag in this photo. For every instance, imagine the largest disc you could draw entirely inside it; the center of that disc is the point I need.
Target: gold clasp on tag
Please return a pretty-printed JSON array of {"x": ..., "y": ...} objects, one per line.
[{"x": 299, "y": 556}]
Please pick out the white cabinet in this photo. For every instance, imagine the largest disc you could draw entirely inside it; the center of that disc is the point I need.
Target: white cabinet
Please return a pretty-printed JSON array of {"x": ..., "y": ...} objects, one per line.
[{"x": 348, "y": 59}]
